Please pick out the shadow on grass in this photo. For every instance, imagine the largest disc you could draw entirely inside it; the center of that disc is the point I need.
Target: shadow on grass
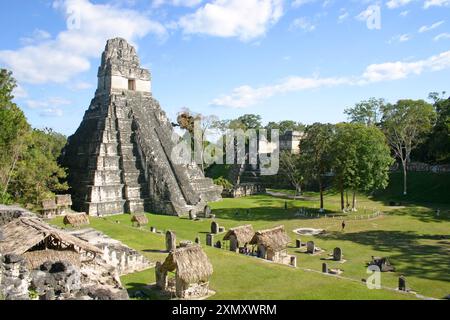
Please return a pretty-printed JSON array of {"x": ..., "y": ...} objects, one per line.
[
  {"x": 429, "y": 261},
  {"x": 265, "y": 213},
  {"x": 142, "y": 291},
  {"x": 430, "y": 190},
  {"x": 423, "y": 214}
]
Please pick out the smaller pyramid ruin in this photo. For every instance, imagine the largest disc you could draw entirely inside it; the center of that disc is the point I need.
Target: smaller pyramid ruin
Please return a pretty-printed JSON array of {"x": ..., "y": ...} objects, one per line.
[{"x": 119, "y": 159}]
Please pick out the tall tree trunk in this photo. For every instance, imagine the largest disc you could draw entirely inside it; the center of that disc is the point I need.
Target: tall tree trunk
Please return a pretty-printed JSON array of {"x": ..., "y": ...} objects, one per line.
[
  {"x": 342, "y": 196},
  {"x": 354, "y": 201},
  {"x": 13, "y": 166},
  {"x": 346, "y": 199},
  {"x": 321, "y": 194},
  {"x": 405, "y": 188}
]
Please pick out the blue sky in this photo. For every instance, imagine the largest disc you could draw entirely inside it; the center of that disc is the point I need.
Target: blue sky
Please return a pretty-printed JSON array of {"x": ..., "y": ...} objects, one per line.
[{"x": 303, "y": 60}]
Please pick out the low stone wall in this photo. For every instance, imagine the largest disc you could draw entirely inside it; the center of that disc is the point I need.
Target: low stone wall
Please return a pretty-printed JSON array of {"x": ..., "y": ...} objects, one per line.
[
  {"x": 424, "y": 167},
  {"x": 124, "y": 259},
  {"x": 244, "y": 190},
  {"x": 14, "y": 278}
]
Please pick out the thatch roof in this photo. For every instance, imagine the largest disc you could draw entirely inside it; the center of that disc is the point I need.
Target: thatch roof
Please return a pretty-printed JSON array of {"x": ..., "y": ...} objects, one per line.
[
  {"x": 49, "y": 204},
  {"x": 244, "y": 234},
  {"x": 63, "y": 200},
  {"x": 76, "y": 220},
  {"x": 23, "y": 234},
  {"x": 191, "y": 264},
  {"x": 141, "y": 219},
  {"x": 35, "y": 259},
  {"x": 275, "y": 239}
]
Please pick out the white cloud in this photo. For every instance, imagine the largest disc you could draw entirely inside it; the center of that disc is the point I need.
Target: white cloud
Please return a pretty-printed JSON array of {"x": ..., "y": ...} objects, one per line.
[
  {"x": 80, "y": 85},
  {"x": 20, "y": 92},
  {"x": 343, "y": 16},
  {"x": 50, "y": 102},
  {"x": 400, "y": 38},
  {"x": 176, "y": 3},
  {"x": 246, "y": 96},
  {"x": 442, "y": 36},
  {"x": 51, "y": 112},
  {"x": 429, "y": 28},
  {"x": 404, "y": 13},
  {"x": 393, "y": 4},
  {"x": 60, "y": 59},
  {"x": 37, "y": 36},
  {"x": 233, "y": 18},
  {"x": 303, "y": 24},
  {"x": 299, "y": 3},
  {"x": 51, "y": 107},
  {"x": 436, "y": 3},
  {"x": 365, "y": 14}
]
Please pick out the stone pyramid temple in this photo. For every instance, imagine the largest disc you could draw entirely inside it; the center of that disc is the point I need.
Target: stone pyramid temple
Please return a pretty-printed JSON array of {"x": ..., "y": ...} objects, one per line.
[{"x": 119, "y": 159}]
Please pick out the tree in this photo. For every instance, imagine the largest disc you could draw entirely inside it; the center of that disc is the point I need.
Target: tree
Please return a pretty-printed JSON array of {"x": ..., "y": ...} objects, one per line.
[
  {"x": 361, "y": 159},
  {"x": 367, "y": 112},
  {"x": 285, "y": 125},
  {"x": 315, "y": 155},
  {"x": 13, "y": 132},
  {"x": 29, "y": 171},
  {"x": 405, "y": 125},
  {"x": 438, "y": 144},
  {"x": 250, "y": 121},
  {"x": 290, "y": 167},
  {"x": 38, "y": 174}
]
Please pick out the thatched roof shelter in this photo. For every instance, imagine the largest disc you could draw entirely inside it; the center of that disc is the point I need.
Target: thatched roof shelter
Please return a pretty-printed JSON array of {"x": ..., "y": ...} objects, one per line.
[
  {"x": 35, "y": 259},
  {"x": 23, "y": 234},
  {"x": 49, "y": 204},
  {"x": 243, "y": 234},
  {"x": 190, "y": 263},
  {"x": 64, "y": 200},
  {"x": 76, "y": 220},
  {"x": 140, "y": 219},
  {"x": 275, "y": 238}
]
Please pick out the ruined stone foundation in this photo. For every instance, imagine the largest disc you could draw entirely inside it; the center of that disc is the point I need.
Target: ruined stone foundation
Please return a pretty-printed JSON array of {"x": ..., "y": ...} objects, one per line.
[{"x": 119, "y": 159}]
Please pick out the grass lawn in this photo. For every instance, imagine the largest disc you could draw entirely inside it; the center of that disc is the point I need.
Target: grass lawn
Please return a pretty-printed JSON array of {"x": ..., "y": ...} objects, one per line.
[{"x": 416, "y": 241}]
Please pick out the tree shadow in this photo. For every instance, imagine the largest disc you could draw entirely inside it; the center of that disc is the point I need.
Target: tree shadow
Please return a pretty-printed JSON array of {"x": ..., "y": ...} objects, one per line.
[
  {"x": 426, "y": 189},
  {"x": 142, "y": 291},
  {"x": 266, "y": 213},
  {"x": 429, "y": 261},
  {"x": 423, "y": 214}
]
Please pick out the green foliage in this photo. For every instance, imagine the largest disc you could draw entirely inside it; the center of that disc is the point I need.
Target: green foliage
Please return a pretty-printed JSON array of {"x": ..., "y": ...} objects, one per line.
[
  {"x": 225, "y": 183},
  {"x": 245, "y": 122},
  {"x": 424, "y": 188},
  {"x": 437, "y": 147},
  {"x": 33, "y": 294},
  {"x": 286, "y": 125},
  {"x": 316, "y": 157},
  {"x": 406, "y": 125},
  {"x": 13, "y": 133},
  {"x": 291, "y": 169},
  {"x": 366, "y": 112},
  {"x": 361, "y": 157},
  {"x": 315, "y": 149},
  {"x": 29, "y": 171},
  {"x": 38, "y": 174}
]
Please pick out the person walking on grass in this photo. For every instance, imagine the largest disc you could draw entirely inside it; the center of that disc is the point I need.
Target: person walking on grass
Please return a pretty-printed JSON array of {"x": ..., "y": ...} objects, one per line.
[{"x": 343, "y": 226}]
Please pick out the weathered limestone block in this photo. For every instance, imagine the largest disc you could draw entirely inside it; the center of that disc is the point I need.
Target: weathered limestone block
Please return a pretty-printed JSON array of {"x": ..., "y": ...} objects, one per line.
[
  {"x": 171, "y": 241},
  {"x": 310, "y": 247},
  {"x": 337, "y": 254}
]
